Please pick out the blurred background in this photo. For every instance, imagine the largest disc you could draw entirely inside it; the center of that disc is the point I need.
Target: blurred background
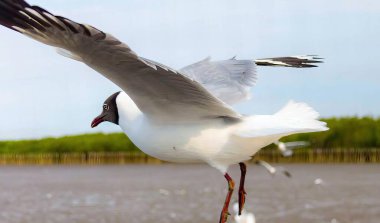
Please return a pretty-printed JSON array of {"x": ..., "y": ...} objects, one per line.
[{"x": 55, "y": 168}]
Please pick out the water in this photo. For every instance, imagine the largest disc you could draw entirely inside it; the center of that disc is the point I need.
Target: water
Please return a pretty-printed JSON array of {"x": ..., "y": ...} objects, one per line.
[{"x": 185, "y": 193}]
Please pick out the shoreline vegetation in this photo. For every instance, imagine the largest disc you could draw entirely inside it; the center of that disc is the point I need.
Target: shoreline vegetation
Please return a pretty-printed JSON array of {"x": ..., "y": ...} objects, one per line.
[
  {"x": 361, "y": 155},
  {"x": 349, "y": 140}
]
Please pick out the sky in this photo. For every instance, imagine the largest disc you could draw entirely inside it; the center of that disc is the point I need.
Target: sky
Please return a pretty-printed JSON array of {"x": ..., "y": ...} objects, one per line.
[{"x": 44, "y": 94}]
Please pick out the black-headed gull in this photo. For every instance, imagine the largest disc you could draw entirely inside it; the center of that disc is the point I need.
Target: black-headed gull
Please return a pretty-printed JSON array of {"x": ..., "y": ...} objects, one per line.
[{"x": 178, "y": 116}]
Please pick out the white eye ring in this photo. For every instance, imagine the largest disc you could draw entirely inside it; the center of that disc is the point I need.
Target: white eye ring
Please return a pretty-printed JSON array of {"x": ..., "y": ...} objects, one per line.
[{"x": 106, "y": 107}]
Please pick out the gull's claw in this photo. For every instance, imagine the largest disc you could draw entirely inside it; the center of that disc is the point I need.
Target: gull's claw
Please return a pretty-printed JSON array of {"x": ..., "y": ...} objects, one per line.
[
  {"x": 224, "y": 215},
  {"x": 242, "y": 193}
]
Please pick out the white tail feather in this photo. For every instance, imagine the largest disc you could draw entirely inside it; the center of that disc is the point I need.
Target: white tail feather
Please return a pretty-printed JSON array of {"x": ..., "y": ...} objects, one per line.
[
  {"x": 258, "y": 131},
  {"x": 301, "y": 115},
  {"x": 293, "y": 118}
]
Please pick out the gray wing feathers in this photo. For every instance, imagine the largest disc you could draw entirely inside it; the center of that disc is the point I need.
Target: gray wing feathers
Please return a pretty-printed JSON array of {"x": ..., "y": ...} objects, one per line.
[
  {"x": 228, "y": 80},
  {"x": 160, "y": 92}
]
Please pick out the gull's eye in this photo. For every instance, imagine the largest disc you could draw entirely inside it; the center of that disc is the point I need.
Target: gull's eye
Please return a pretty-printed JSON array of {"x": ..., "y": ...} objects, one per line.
[{"x": 106, "y": 107}]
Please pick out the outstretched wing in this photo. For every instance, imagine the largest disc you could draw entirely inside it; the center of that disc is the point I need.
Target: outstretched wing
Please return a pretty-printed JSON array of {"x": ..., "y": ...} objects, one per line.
[
  {"x": 163, "y": 94},
  {"x": 228, "y": 80},
  {"x": 231, "y": 80}
]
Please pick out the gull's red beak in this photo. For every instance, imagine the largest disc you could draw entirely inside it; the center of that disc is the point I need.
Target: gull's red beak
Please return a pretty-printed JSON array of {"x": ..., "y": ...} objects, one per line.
[{"x": 97, "y": 121}]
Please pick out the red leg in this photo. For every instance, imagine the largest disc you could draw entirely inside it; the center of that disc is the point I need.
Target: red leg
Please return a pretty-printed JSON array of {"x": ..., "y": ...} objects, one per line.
[
  {"x": 242, "y": 193},
  {"x": 231, "y": 185}
]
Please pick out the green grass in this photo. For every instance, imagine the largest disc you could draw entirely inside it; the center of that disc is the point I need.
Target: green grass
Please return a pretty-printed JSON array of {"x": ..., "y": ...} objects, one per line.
[{"x": 116, "y": 142}]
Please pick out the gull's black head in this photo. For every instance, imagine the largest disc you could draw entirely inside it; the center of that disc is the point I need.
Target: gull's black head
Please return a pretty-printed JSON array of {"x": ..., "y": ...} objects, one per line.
[{"x": 110, "y": 113}]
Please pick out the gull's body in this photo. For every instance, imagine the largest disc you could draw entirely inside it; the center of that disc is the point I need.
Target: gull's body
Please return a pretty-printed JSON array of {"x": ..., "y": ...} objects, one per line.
[
  {"x": 218, "y": 142},
  {"x": 178, "y": 116}
]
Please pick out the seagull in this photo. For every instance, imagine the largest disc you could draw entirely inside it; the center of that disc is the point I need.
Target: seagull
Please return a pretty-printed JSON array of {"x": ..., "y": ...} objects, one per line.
[
  {"x": 286, "y": 148},
  {"x": 244, "y": 217},
  {"x": 174, "y": 115},
  {"x": 273, "y": 170}
]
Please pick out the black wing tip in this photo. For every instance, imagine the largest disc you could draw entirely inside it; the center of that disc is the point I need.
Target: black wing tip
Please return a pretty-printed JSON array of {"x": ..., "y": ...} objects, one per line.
[
  {"x": 307, "y": 61},
  {"x": 304, "y": 61},
  {"x": 310, "y": 61},
  {"x": 14, "y": 16},
  {"x": 18, "y": 15}
]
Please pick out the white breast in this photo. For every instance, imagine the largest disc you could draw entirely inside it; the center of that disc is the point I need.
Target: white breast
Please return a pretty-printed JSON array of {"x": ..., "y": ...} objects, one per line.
[{"x": 189, "y": 143}]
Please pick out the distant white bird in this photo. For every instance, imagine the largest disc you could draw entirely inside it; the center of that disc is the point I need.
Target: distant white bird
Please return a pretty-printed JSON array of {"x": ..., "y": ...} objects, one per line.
[
  {"x": 319, "y": 181},
  {"x": 245, "y": 217},
  {"x": 286, "y": 148},
  {"x": 273, "y": 170},
  {"x": 178, "y": 116}
]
